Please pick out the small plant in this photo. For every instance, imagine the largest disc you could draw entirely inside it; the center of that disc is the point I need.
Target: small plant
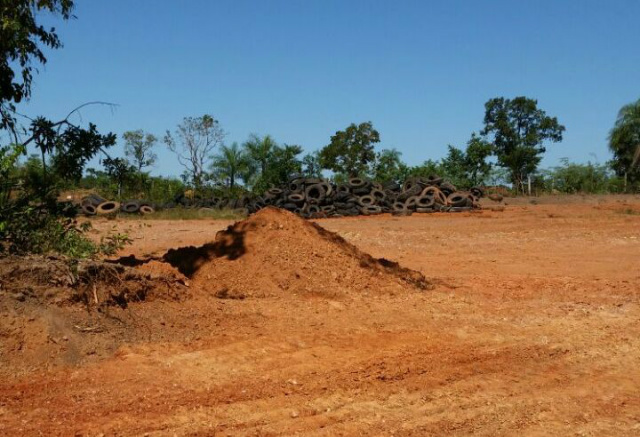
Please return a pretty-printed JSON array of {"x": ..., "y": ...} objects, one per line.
[{"x": 112, "y": 243}]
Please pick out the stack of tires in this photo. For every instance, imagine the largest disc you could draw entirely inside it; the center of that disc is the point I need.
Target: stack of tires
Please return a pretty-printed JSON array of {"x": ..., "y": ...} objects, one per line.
[
  {"x": 94, "y": 204},
  {"x": 314, "y": 198}
]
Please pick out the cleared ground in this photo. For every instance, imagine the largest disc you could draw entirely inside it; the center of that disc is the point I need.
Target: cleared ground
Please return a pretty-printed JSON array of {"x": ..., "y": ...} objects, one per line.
[{"x": 532, "y": 329}]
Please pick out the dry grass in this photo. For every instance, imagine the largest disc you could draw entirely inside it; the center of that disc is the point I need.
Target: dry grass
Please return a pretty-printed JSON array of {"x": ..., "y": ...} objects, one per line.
[{"x": 189, "y": 214}]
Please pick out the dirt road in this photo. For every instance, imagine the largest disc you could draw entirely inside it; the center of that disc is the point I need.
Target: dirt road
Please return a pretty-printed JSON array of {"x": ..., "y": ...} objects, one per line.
[{"x": 532, "y": 329}]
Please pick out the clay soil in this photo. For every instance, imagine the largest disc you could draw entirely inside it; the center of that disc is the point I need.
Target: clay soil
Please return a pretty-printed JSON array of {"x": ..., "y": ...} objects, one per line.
[{"x": 530, "y": 326}]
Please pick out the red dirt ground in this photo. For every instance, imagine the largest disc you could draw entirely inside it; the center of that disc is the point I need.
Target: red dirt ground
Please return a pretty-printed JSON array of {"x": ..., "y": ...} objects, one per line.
[{"x": 531, "y": 329}]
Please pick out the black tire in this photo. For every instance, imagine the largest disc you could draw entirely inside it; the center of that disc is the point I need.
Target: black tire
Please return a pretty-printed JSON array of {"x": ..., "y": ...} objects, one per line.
[
  {"x": 378, "y": 194},
  {"x": 477, "y": 192},
  {"x": 88, "y": 209},
  {"x": 366, "y": 200},
  {"x": 425, "y": 202},
  {"x": 424, "y": 210},
  {"x": 448, "y": 188},
  {"x": 130, "y": 207},
  {"x": 315, "y": 191},
  {"x": 296, "y": 198},
  {"x": 457, "y": 200},
  {"x": 411, "y": 202},
  {"x": 370, "y": 210},
  {"x": 108, "y": 208},
  {"x": 362, "y": 191},
  {"x": 343, "y": 188},
  {"x": 146, "y": 209},
  {"x": 357, "y": 182}
]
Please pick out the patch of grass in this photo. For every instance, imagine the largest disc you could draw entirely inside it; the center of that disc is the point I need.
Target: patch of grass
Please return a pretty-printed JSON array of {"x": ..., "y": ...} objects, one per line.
[
  {"x": 189, "y": 214},
  {"x": 629, "y": 211}
]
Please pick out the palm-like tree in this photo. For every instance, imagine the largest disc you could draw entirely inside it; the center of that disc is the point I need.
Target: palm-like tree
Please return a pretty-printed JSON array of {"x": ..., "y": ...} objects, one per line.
[
  {"x": 624, "y": 142},
  {"x": 259, "y": 150},
  {"x": 230, "y": 164}
]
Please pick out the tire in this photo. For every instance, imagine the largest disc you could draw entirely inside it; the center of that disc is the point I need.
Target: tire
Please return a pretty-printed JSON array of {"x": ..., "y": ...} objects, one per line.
[
  {"x": 88, "y": 209},
  {"x": 399, "y": 206},
  {"x": 312, "y": 209},
  {"x": 130, "y": 207},
  {"x": 275, "y": 192},
  {"x": 343, "y": 188},
  {"x": 361, "y": 191},
  {"x": 315, "y": 191},
  {"x": 379, "y": 195},
  {"x": 296, "y": 198},
  {"x": 313, "y": 181},
  {"x": 108, "y": 208},
  {"x": 477, "y": 192},
  {"x": 434, "y": 180},
  {"x": 366, "y": 200},
  {"x": 370, "y": 210},
  {"x": 457, "y": 200},
  {"x": 425, "y": 202},
  {"x": 146, "y": 209},
  {"x": 411, "y": 202},
  {"x": 357, "y": 183},
  {"x": 424, "y": 210},
  {"x": 448, "y": 188},
  {"x": 93, "y": 199}
]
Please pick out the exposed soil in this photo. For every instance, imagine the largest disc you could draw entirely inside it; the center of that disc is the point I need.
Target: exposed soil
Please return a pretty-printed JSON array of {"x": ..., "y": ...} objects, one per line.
[{"x": 531, "y": 329}]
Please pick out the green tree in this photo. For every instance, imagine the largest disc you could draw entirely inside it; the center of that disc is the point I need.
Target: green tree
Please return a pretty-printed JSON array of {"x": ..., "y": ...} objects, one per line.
[
  {"x": 476, "y": 164},
  {"x": 259, "y": 151},
  {"x": 454, "y": 167},
  {"x": 388, "y": 167},
  {"x": 138, "y": 146},
  {"x": 311, "y": 167},
  {"x": 230, "y": 165},
  {"x": 22, "y": 41},
  {"x": 282, "y": 164},
  {"x": 624, "y": 142},
  {"x": 193, "y": 143},
  {"x": 120, "y": 171},
  {"x": 519, "y": 130},
  {"x": 351, "y": 151}
]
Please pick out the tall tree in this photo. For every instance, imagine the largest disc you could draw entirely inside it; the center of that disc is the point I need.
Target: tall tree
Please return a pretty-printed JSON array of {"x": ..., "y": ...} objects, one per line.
[
  {"x": 194, "y": 141},
  {"x": 138, "y": 146},
  {"x": 476, "y": 164},
  {"x": 283, "y": 163},
  {"x": 519, "y": 130},
  {"x": 22, "y": 41},
  {"x": 311, "y": 166},
  {"x": 624, "y": 142},
  {"x": 259, "y": 150},
  {"x": 230, "y": 165},
  {"x": 388, "y": 166},
  {"x": 351, "y": 150},
  {"x": 119, "y": 170}
]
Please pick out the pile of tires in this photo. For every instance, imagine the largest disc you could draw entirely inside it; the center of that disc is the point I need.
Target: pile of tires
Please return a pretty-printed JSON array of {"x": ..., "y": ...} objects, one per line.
[
  {"x": 94, "y": 204},
  {"x": 315, "y": 198}
]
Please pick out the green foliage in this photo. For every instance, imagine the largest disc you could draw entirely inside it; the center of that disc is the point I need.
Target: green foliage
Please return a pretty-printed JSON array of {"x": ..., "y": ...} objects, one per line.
[
  {"x": 580, "y": 178},
  {"x": 138, "y": 146},
  {"x": 23, "y": 41},
  {"x": 351, "y": 151},
  {"x": 519, "y": 129},
  {"x": 119, "y": 171},
  {"x": 311, "y": 166},
  {"x": 624, "y": 142},
  {"x": 49, "y": 228},
  {"x": 388, "y": 167},
  {"x": 231, "y": 164},
  {"x": 282, "y": 164}
]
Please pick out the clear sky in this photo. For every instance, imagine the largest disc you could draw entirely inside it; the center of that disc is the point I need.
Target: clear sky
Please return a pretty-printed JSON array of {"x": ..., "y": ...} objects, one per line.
[{"x": 299, "y": 70}]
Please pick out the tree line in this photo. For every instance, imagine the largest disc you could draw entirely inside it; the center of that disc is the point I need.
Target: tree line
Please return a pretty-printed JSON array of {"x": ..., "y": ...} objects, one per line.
[{"x": 506, "y": 152}]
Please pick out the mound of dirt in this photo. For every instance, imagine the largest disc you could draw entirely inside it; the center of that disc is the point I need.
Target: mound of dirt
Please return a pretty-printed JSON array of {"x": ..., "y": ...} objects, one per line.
[{"x": 275, "y": 252}]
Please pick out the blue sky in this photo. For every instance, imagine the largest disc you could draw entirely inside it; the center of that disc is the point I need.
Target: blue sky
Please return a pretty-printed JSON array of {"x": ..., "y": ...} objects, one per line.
[{"x": 299, "y": 70}]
